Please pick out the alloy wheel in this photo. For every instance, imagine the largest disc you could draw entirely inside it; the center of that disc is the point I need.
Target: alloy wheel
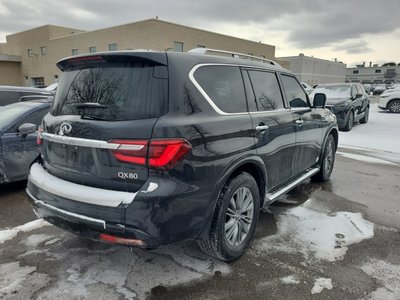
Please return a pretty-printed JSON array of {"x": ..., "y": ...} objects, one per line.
[{"x": 239, "y": 216}]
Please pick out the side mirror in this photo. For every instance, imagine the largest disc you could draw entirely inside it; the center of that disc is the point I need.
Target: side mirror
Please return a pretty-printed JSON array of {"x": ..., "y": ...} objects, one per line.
[
  {"x": 319, "y": 100},
  {"x": 26, "y": 129},
  {"x": 358, "y": 96}
]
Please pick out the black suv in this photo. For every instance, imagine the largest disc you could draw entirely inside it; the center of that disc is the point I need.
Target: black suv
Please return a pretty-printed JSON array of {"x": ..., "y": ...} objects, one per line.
[
  {"x": 348, "y": 101},
  {"x": 147, "y": 148}
]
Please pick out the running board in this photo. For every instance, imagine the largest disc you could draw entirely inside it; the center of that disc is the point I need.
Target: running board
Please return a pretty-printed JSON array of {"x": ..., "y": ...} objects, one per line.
[{"x": 270, "y": 197}]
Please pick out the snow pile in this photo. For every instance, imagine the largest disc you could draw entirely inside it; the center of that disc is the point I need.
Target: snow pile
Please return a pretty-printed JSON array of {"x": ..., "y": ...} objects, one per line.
[
  {"x": 12, "y": 276},
  {"x": 320, "y": 284},
  {"x": 365, "y": 158},
  {"x": 9, "y": 234},
  {"x": 387, "y": 275},
  {"x": 292, "y": 279},
  {"x": 316, "y": 234},
  {"x": 380, "y": 133}
]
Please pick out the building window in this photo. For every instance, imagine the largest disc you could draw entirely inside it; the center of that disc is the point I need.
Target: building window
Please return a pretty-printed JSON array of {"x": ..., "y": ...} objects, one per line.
[
  {"x": 92, "y": 49},
  {"x": 38, "y": 81},
  {"x": 43, "y": 50},
  {"x": 75, "y": 52},
  {"x": 30, "y": 53},
  {"x": 178, "y": 46},
  {"x": 201, "y": 46},
  {"x": 377, "y": 71},
  {"x": 112, "y": 47},
  {"x": 355, "y": 71}
]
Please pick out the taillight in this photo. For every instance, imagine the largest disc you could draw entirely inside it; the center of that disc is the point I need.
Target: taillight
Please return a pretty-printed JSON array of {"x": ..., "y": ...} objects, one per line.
[
  {"x": 39, "y": 139},
  {"x": 158, "y": 154},
  {"x": 120, "y": 240}
]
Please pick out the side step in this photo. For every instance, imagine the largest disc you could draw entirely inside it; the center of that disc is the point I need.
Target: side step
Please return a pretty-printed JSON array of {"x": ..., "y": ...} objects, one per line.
[{"x": 270, "y": 197}]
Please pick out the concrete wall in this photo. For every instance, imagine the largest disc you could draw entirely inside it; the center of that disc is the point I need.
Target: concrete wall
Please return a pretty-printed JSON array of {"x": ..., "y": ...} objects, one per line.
[
  {"x": 10, "y": 73},
  {"x": 149, "y": 34},
  {"x": 314, "y": 70}
]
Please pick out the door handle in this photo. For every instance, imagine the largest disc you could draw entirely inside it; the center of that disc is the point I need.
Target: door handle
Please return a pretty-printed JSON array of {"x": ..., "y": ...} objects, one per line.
[
  {"x": 261, "y": 127},
  {"x": 299, "y": 121}
]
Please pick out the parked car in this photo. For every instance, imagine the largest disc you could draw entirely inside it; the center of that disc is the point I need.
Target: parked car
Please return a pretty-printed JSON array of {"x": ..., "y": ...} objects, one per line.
[
  {"x": 348, "y": 101},
  {"x": 147, "y": 148},
  {"x": 379, "y": 89},
  {"x": 390, "y": 100},
  {"x": 18, "y": 124},
  {"x": 12, "y": 94},
  {"x": 306, "y": 87}
]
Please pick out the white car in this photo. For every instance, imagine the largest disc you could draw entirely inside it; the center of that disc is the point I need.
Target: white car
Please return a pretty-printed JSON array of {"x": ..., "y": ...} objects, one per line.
[
  {"x": 306, "y": 87},
  {"x": 390, "y": 99}
]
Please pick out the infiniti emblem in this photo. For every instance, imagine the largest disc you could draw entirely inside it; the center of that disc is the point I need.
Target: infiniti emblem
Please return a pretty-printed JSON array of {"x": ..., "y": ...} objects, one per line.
[{"x": 65, "y": 128}]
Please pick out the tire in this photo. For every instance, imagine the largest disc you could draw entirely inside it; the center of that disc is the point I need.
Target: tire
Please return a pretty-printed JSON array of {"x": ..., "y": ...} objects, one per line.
[
  {"x": 234, "y": 221},
  {"x": 327, "y": 161},
  {"x": 394, "y": 106},
  {"x": 365, "y": 119},
  {"x": 350, "y": 122}
]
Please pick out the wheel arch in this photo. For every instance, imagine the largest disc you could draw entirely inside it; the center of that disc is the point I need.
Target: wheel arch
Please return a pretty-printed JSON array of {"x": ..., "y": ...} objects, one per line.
[{"x": 252, "y": 165}]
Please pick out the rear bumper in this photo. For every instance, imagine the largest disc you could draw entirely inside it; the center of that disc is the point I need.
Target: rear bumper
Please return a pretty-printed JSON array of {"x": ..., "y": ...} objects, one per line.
[{"x": 164, "y": 211}]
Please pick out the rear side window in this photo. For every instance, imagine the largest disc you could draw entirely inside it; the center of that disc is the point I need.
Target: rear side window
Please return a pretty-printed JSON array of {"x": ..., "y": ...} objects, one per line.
[
  {"x": 266, "y": 89},
  {"x": 224, "y": 85},
  {"x": 114, "y": 91},
  {"x": 294, "y": 92}
]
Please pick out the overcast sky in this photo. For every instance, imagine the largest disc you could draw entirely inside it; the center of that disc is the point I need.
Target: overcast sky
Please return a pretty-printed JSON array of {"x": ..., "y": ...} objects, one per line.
[{"x": 352, "y": 31}]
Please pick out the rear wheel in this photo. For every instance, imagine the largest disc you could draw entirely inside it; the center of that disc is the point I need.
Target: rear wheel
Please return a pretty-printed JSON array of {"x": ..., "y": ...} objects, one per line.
[
  {"x": 350, "y": 122},
  {"x": 327, "y": 162},
  {"x": 394, "y": 106},
  {"x": 364, "y": 119},
  {"x": 235, "y": 219}
]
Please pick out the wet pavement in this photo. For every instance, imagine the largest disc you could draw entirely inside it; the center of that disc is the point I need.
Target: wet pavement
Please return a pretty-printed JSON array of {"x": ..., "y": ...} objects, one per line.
[{"x": 336, "y": 240}]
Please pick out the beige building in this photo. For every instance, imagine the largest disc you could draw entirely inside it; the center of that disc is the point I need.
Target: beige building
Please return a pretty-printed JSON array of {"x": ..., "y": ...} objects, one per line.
[
  {"x": 315, "y": 70},
  {"x": 29, "y": 57}
]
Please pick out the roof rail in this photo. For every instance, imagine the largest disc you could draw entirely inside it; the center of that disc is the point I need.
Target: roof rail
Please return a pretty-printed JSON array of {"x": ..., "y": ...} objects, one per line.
[{"x": 232, "y": 54}]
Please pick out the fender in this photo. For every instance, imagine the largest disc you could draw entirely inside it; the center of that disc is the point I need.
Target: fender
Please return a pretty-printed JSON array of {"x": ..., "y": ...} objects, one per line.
[{"x": 228, "y": 171}]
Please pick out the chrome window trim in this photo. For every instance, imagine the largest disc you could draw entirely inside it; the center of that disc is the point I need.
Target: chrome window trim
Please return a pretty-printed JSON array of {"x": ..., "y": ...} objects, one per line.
[
  {"x": 74, "y": 141},
  {"x": 211, "y": 102}
]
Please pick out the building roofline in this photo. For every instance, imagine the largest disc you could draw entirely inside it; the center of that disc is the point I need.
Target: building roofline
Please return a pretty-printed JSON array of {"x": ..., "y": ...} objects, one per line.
[
  {"x": 309, "y": 57},
  {"x": 43, "y": 26},
  {"x": 161, "y": 21}
]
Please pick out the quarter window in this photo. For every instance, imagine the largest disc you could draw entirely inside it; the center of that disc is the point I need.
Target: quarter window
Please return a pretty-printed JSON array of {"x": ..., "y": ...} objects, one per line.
[
  {"x": 266, "y": 89},
  {"x": 224, "y": 85},
  {"x": 294, "y": 93}
]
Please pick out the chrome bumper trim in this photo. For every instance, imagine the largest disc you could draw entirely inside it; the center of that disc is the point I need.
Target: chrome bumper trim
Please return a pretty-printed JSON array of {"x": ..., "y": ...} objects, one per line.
[{"x": 71, "y": 214}]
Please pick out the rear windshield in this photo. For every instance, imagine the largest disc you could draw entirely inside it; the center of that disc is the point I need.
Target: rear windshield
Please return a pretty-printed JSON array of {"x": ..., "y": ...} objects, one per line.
[
  {"x": 333, "y": 91},
  {"x": 112, "y": 92}
]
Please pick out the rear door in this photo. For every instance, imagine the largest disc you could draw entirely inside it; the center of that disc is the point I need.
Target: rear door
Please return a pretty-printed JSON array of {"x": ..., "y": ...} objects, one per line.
[
  {"x": 273, "y": 125},
  {"x": 308, "y": 125},
  {"x": 102, "y": 102},
  {"x": 20, "y": 150}
]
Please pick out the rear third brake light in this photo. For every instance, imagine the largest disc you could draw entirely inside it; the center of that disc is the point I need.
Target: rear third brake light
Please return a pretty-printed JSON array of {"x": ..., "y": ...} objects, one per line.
[{"x": 157, "y": 154}]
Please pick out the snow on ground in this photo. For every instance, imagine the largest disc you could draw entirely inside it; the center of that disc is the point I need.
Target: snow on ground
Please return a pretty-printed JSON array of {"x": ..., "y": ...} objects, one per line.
[
  {"x": 12, "y": 276},
  {"x": 291, "y": 279},
  {"x": 320, "y": 284},
  {"x": 380, "y": 133},
  {"x": 386, "y": 275},
  {"x": 316, "y": 234},
  {"x": 364, "y": 158},
  {"x": 9, "y": 234}
]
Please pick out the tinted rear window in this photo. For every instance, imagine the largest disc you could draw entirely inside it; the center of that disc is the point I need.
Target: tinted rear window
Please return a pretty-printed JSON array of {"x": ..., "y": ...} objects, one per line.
[
  {"x": 224, "y": 85},
  {"x": 125, "y": 91}
]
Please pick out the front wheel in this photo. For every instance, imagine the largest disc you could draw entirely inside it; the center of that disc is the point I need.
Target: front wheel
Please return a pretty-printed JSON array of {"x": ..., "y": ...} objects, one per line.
[
  {"x": 394, "y": 106},
  {"x": 364, "y": 119},
  {"x": 327, "y": 162},
  {"x": 350, "y": 121},
  {"x": 235, "y": 219}
]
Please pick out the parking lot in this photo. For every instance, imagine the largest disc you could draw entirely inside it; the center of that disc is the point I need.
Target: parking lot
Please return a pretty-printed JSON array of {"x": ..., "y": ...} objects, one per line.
[{"x": 336, "y": 240}]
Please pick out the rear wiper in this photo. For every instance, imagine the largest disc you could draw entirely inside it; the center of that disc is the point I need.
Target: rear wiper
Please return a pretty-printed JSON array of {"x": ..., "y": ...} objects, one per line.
[{"x": 89, "y": 105}]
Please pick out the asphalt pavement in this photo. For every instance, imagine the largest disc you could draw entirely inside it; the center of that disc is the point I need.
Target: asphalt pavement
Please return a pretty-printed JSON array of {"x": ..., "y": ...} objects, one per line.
[{"x": 336, "y": 240}]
